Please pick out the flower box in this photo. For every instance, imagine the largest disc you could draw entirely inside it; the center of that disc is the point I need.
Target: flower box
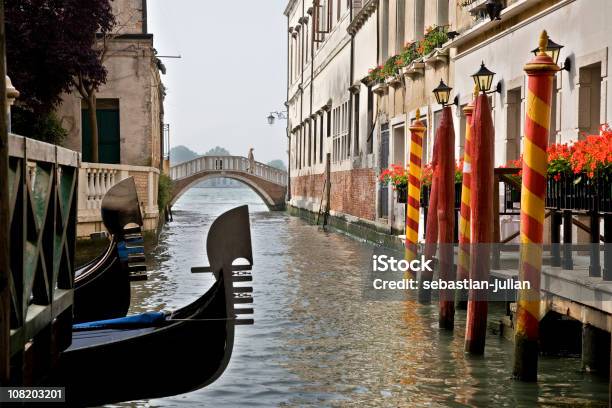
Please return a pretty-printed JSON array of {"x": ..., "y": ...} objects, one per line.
[
  {"x": 380, "y": 88},
  {"x": 417, "y": 68},
  {"x": 440, "y": 55},
  {"x": 393, "y": 81}
]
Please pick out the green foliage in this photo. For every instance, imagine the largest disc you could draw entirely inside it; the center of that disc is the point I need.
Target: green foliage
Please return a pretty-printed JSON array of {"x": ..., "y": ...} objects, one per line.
[
  {"x": 409, "y": 54},
  {"x": 390, "y": 68},
  {"x": 44, "y": 127},
  {"x": 164, "y": 191},
  {"x": 434, "y": 38},
  {"x": 217, "y": 151}
]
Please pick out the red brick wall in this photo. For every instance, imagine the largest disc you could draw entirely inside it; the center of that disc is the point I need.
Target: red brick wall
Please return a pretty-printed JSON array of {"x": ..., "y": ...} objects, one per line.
[{"x": 352, "y": 192}]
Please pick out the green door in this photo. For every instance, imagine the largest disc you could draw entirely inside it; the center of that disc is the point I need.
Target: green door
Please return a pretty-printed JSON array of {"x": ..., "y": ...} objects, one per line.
[{"x": 108, "y": 136}]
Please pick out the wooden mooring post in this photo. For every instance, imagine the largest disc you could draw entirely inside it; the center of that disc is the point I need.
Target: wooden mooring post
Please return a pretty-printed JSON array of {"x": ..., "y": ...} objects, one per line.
[{"x": 5, "y": 295}]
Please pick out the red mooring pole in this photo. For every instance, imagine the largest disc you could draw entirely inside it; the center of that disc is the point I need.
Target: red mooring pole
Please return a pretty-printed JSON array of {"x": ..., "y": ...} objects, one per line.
[
  {"x": 431, "y": 227},
  {"x": 541, "y": 72},
  {"x": 445, "y": 135},
  {"x": 465, "y": 216},
  {"x": 481, "y": 200}
]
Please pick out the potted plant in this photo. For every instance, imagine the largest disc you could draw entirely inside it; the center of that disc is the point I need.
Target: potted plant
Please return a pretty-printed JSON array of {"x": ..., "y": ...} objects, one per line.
[{"x": 397, "y": 176}]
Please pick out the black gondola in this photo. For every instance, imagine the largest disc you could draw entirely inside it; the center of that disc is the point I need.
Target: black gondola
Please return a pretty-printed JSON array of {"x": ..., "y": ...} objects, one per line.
[
  {"x": 173, "y": 353},
  {"x": 102, "y": 286}
]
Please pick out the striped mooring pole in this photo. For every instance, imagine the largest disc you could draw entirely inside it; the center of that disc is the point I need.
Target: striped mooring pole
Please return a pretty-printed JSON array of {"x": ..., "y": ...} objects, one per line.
[
  {"x": 431, "y": 226},
  {"x": 417, "y": 131},
  {"x": 446, "y": 215},
  {"x": 465, "y": 215},
  {"x": 481, "y": 226},
  {"x": 541, "y": 72}
]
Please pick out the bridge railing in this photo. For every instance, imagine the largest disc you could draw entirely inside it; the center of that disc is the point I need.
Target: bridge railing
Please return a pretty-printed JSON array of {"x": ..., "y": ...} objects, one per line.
[
  {"x": 95, "y": 179},
  {"x": 228, "y": 163}
]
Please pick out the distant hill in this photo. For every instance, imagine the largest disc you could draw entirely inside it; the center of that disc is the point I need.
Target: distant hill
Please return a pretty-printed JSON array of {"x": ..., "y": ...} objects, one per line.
[{"x": 180, "y": 154}]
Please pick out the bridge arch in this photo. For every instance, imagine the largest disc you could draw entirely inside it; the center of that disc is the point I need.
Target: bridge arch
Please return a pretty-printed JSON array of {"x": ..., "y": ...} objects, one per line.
[
  {"x": 268, "y": 182},
  {"x": 185, "y": 185}
]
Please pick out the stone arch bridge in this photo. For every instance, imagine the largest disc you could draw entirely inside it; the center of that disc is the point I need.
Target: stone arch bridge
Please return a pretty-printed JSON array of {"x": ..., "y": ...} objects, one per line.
[{"x": 268, "y": 182}]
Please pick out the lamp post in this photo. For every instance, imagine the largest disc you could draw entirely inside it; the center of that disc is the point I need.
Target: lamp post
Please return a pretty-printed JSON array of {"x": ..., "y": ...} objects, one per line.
[
  {"x": 276, "y": 115},
  {"x": 446, "y": 203},
  {"x": 481, "y": 199},
  {"x": 282, "y": 115},
  {"x": 553, "y": 50},
  {"x": 540, "y": 71}
]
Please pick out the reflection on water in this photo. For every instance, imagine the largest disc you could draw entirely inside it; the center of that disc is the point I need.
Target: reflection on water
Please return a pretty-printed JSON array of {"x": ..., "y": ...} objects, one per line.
[{"x": 316, "y": 342}]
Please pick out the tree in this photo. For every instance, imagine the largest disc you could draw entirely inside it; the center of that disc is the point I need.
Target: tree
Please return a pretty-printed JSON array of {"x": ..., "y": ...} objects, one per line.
[
  {"x": 278, "y": 164},
  {"x": 217, "y": 151},
  {"x": 54, "y": 46}
]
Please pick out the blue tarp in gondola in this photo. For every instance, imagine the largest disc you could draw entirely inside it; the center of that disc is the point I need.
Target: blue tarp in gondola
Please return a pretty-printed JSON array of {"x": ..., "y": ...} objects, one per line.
[{"x": 149, "y": 319}]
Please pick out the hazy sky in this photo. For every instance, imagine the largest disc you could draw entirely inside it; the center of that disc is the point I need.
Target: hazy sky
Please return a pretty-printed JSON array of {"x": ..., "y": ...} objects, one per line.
[{"x": 231, "y": 75}]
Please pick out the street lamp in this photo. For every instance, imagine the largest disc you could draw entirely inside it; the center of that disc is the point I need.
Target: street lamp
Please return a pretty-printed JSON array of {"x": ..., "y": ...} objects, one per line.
[
  {"x": 442, "y": 93},
  {"x": 483, "y": 78},
  {"x": 276, "y": 115},
  {"x": 553, "y": 50}
]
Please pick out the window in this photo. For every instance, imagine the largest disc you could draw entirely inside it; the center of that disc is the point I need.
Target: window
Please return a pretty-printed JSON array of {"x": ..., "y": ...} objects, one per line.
[
  {"x": 419, "y": 19},
  {"x": 400, "y": 18},
  {"x": 399, "y": 146},
  {"x": 384, "y": 35},
  {"x": 321, "y": 140},
  {"x": 589, "y": 96},
  {"x": 462, "y": 126},
  {"x": 442, "y": 15},
  {"x": 309, "y": 144},
  {"x": 314, "y": 140},
  {"x": 306, "y": 43},
  {"x": 290, "y": 58},
  {"x": 356, "y": 124},
  {"x": 370, "y": 122},
  {"x": 109, "y": 147},
  {"x": 340, "y": 140},
  {"x": 298, "y": 142},
  {"x": 303, "y": 145},
  {"x": 513, "y": 124},
  {"x": 323, "y": 10}
]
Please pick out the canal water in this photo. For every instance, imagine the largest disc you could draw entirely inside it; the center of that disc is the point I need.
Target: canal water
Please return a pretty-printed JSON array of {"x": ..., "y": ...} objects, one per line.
[{"x": 317, "y": 342}]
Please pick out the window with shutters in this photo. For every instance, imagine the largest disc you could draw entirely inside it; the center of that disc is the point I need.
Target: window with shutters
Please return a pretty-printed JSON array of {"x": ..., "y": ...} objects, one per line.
[
  {"x": 322, "y": 19},
  {"x": 340, "y": 125}
]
